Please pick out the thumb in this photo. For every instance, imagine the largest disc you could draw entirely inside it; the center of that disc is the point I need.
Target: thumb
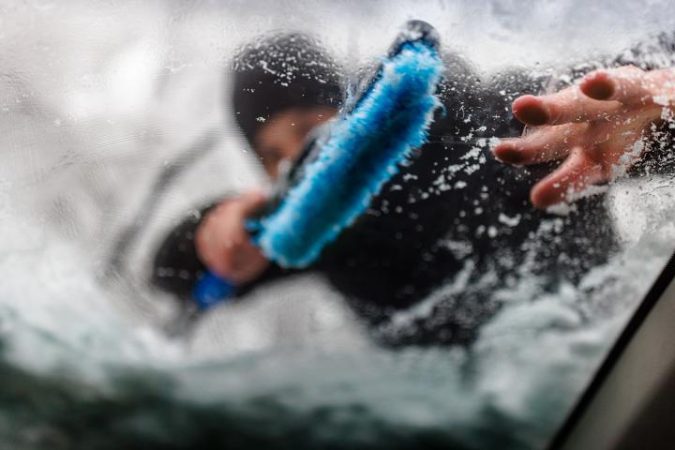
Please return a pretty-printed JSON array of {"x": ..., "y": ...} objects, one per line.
[
  {"x": 573, "y": 176},
  {"x": 252, "y": 201}
]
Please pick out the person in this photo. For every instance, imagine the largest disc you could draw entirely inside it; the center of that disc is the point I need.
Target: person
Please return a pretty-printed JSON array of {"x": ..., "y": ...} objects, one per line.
[{"x": 455, "y": 216}]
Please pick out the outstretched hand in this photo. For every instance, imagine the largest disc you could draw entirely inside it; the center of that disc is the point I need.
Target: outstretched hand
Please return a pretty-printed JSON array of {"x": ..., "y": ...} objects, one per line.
[{"x": 595, "y": 127}]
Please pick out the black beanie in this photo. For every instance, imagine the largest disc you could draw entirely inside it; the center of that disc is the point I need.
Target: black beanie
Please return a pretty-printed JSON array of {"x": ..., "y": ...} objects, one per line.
[{"x": 281, "y": 72}]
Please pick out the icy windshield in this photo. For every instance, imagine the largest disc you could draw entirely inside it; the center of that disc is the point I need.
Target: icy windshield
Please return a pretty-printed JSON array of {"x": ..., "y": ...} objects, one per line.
[{"x": 331, "y": 224}]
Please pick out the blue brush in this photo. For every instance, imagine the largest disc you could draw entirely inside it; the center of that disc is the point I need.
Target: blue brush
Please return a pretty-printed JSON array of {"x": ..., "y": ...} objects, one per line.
[{"x": 349, "y": 165}]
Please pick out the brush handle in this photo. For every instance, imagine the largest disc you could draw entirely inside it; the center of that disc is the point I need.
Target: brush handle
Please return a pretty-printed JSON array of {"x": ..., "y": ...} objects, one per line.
[{"x": 211, "y": 289}]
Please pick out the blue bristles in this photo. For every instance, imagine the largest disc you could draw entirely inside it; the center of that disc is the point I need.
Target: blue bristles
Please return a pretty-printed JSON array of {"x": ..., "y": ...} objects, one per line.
[{"x": 362, "y": 153}]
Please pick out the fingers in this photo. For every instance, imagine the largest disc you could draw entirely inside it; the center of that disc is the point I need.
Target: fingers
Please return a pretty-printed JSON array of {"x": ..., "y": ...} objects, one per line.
[
  {"x": 246, "y": 265},
  {"x": 599, "y": 94},
  {"x": 542, "y": 145},
  {"x": 628, "y": 86},
  {"x": 530, "y": 110},
  {"x": 228, "y": 252},
  {"x": 573, "y": 176},
  {"x": 598, "y": 86},
  {"x": 569, "y": 105},
  {"x": 224, "y": 245},
  {"x": 600, "y": 120}
]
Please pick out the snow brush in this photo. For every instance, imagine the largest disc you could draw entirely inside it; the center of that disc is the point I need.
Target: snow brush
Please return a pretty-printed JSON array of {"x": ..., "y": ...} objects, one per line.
[{"x": 339, "y": 172}]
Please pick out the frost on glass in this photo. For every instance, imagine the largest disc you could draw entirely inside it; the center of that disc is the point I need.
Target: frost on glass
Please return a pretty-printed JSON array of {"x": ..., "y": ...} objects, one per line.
[{"x": 115, "y": 126}]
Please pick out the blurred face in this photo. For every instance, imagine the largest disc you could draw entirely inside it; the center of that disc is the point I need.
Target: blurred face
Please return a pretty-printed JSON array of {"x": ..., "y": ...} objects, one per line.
[{"x": 283, "y": 136}]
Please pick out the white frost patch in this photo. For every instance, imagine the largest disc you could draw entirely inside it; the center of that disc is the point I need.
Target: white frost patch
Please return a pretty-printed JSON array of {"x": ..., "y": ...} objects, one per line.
[
  {"x": 509, "y": 221},
  {"x": 560, "y": 209},
  {"x": 627, "y": 159},
  {"x": 423, "y": 308},
  {"x": 471, "y": 154},
  {"x": 662, "y": 100},
  {"x": 568, "y": 206},
  {"x": 492, "y": 231}
]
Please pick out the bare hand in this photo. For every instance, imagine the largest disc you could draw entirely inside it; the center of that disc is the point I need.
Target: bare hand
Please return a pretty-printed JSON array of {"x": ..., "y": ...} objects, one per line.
[
  {"x": 594, "y": 127},
  {"x": 224, "y": 245}
]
